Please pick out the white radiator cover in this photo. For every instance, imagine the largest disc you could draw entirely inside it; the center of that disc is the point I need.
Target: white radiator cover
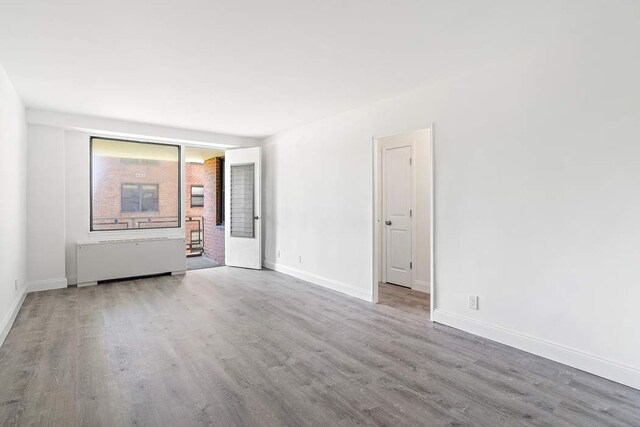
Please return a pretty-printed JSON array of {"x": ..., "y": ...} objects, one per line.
[{"x": 119, "y": 259}]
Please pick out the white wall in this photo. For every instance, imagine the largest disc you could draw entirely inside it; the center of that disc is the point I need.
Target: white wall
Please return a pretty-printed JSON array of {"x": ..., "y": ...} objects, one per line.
[
  {"x": 13, "y": 206},
  {"x": 537, "y": 165},
  {"x": 45, "y": 201},
  {"x": 135, "y": 130},
  {"x": 422, "y": 215}
]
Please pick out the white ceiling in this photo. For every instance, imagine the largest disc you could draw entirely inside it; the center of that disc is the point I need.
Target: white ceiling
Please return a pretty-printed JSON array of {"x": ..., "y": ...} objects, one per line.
[{"x": 251, "y": 67}]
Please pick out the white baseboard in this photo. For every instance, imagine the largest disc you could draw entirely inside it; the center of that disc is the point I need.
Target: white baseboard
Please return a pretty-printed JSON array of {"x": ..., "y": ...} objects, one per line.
[
  {"x": 421, "y": 286},
  {"x": 321, "y": 281},
  {"x": 7, "y": 322},
  {"x": 596, "y": 365},
  {"x": 45, "y": 285}
]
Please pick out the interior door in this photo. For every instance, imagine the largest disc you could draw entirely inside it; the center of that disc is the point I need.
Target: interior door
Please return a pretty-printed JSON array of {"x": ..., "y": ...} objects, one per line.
[
  {"x": 243, "y": 231},
  {"x": 397, "y": 193}
]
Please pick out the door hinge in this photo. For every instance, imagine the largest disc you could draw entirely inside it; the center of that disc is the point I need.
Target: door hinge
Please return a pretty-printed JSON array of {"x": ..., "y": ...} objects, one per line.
[
  {"x": 410, "y": 213},
  {"x": 411, "y": 266},
  {"x": 409, "y": 161}
]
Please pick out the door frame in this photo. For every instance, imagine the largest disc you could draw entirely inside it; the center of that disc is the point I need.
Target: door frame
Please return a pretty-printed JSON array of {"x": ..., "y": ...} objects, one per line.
[{"x": 377, "y": 216}]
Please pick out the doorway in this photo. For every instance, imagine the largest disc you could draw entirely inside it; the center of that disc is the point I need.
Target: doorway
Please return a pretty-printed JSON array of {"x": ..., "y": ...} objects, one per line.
[
  {"x": 222, "y": 207},
  {"x": 403, "y": 218},
  {"x": 204, "y": 207}
]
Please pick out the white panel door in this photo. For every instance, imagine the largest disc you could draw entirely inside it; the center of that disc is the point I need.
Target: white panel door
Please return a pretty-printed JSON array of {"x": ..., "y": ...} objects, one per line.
[
  {"x": 243, "y": 231},
  {"x": 397, "y": 194}
]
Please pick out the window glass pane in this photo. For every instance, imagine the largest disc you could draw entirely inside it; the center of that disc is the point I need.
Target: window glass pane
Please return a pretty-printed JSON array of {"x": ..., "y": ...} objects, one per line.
[
  {"x": 242, "y": 210},
  {"x": 129, "y": 198},
  {"x": 149, "y": 200},
  {"x": 197, "y": 201},
  {"x": 134, "y": 185},
  {"x": 197, "y": 191}
]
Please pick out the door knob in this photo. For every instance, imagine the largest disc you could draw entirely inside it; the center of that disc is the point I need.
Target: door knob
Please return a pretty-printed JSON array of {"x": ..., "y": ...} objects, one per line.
[
  {"x": 387, "y": 222},
  {"x": 256, "y": 217}
]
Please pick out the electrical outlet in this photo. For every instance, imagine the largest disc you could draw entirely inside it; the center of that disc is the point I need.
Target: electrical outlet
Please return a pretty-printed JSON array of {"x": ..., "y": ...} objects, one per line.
[
  {"x": 300, "y": 259},
  {"x": 473, "y": 302}
]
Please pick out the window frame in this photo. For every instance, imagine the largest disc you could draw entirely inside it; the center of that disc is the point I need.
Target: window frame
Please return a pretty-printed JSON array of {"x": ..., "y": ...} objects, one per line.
[
  {"x": 134, "y": 230},
  {"x": 191, "y": 196}
]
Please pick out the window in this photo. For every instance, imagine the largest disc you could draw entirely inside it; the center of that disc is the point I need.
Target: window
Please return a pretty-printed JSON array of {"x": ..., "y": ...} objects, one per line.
[
  {"x": 139, "y": 198},
  {"x": 197, "y": 196},
  {"x": 134, "y": 185}
]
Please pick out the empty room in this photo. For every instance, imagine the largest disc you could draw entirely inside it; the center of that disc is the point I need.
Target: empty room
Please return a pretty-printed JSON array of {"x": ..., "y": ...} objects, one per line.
[{"x": 297, "y": 213}]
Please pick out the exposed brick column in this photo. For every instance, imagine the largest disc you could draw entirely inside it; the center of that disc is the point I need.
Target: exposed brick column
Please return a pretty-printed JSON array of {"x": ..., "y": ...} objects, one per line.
[{"x": 213, "y": 233}]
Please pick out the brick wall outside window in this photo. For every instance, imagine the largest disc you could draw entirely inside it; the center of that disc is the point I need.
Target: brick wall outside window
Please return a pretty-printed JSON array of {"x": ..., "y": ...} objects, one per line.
[
  {"x": 194, "y": 175},
  {"x": 109, "y": 175}
]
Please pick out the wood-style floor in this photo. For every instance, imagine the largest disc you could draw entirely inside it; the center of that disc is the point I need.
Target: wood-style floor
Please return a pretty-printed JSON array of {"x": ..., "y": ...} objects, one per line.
[
  {"x": 234, "y": 347},
  {"x": 405, "y": 299}
]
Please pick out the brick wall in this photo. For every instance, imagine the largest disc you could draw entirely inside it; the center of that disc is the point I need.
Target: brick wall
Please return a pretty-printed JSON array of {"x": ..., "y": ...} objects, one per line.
[
  {"x": 213, "y": 230},
  {"x": 111, "y": 172},
  {"x": 194, "y": 175}
]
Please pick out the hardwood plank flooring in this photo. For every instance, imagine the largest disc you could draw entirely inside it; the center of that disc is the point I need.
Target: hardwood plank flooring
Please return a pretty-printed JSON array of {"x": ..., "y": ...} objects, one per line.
[
  {"x": 230, "y": 347},
  {"x": 405, "y": 299}
]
